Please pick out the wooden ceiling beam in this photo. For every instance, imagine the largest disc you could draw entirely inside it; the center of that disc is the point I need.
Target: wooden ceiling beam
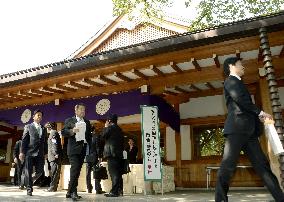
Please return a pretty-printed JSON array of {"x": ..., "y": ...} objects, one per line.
[
  {"x": 40, "y": 92},
  {"x": 156, "y": 70},
  {"x": 238, "y": 54},
  {"x": 107, "y": 80},
  {"x": 46, "y": 88},
  {"x": 64, "y": 88},
  {"x": 78, "y": 85},
  {"x": 32, "y": 94},
  {"x": 260, "y": 56},
  {"x": 209, "y": 85},
  {"x": 201, "y": 52},
  {"x": 216, "y": 60},
  {"x": 281, "y": 55},
  {"x": 7, "y": 129},
  {"x": 139, "y": 74},
  {"x": 195, "y": 87},
  {"x": 180, "y": 89},
  {"x": 91, "y": 82},
  {"x": 122, "y": 77},
  {"x": 175, "y": 67},
  {"x": 195, "y": 64},
  {"x": 169, "y": 92}
]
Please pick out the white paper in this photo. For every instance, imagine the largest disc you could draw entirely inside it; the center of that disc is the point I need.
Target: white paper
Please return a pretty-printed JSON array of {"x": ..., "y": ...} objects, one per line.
[
  {"x": 273, "y": 139},
  {"x": 46, "y": 171},
  {"x": 12, "y": 172},
  {"x": 81, "y": 125},
  {"x": 124, "y": 154}
]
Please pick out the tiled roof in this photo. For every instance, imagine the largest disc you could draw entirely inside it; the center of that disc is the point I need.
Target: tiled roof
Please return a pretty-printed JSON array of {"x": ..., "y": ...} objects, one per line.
[{"x": 243, "y": 28}]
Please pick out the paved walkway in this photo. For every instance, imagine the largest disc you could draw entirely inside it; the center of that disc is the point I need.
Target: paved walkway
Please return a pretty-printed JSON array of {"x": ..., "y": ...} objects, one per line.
[{"x": 12, "y": 193}]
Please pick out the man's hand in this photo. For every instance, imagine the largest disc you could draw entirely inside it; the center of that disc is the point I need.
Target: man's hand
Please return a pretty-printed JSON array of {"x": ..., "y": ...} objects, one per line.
[
  {"x": 16, "y": 160},
  {"x": 56, "y": 156},
  {"x": 264, "y": 116},
  {"x": 100, "y": 160},
  {"x": 22, "y": 157}
]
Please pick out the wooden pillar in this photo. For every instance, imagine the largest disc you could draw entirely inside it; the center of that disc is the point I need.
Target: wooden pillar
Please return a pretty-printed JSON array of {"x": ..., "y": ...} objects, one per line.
[
  {"x": 178, "y": 154},
  {"x": 266, "y": 106},
  {"x": 273, "y": 91}
]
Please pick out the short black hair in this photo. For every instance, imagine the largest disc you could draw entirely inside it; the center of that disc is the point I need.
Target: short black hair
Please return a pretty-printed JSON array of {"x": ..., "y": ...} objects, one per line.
[
  {"x": 112, "y": 118},
  {"x": 80, "y": 104},
  {"x": 230, "y": 61},
  {"x": 37, "y": 111}
]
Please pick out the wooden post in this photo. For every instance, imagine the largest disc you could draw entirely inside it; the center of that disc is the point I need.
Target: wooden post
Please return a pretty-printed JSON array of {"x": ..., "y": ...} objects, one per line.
[
  {"x": 266, "y": 106},
  {"x": 178, "y": 154},
  {"x": 273, "y": 91}
]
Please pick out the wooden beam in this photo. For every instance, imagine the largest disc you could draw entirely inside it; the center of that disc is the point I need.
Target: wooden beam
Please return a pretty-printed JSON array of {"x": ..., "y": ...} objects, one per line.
[
  {"x": 195, "y": 64},
  {"x": 181, "y": 90},
  {"x": 52, "y": 90},
  {"x": 282, "y": 52},
  {"x": 40, "y": 91},
  {"x": 156, "y": 70},
  {"x": 209, "y": 85},
  {"x": 260, "y": 57},
  {"x": 91, "y": 82},
  {"x": 204, "y": 120},
  {"x": 7, "y": 129},
  {"x": 195, "y": 87},
  {"x": 107, "y": 80},
  {"x": 32, "y": 94},
  {"x": 139, "y": 74},
  {"x": 78, "y": 85},
  {"x": 186, "y": 78},
  {"x": 238, "y": 54},
  {"x": 169, "y": 92},
  {"x": 175, "y": 67},
  {"x": 216, "y": 60},
  {"x": 65, "y": 88},
  {"x": 122, "y": 77},
  {"x": 14, "y": 97}
]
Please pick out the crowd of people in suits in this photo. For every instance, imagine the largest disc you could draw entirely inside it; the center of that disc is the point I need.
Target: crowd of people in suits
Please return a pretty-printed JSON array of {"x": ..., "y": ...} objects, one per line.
[{"x": 40, "y": 143}]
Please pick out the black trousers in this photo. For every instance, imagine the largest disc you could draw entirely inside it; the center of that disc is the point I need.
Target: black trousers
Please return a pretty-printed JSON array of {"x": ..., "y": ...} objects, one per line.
[
  {"x": 55, "y": 174},
  {"x": 18, "y": 173},
  {"x": 30, "y": 162},
  {"x": 250, "y": 145},
  {"x": 89, "y": 168},
  {"x": 76, "y": 162},
  {"x": 114, "y": 168}
]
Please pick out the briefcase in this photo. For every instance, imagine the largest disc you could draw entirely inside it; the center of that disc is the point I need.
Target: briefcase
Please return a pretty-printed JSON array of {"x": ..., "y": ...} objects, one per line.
[{"x": 100, "y": 172}]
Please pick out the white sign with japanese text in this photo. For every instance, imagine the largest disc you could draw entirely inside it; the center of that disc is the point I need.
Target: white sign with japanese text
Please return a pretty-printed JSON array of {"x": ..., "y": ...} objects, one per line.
[{"x": 151, "y": 143}]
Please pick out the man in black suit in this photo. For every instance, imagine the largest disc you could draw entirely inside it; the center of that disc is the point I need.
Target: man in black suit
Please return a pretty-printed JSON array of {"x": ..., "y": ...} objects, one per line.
[
  {"x": 19, "y": 165},
  {"x": 94, "y": 156},
  {"x": 33, "y": 150},
  {"x": 132, "y": 151},
  {"x": 113, "y": 151},
  {"x": 241, "y": 130},
  {"x": 54, "y": 155},
  {"x": 78, "y": 131}
]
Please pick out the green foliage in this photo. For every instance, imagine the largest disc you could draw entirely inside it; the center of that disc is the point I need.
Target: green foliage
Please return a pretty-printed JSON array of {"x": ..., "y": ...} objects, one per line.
[
  {"x": 215, "y": 12},
  {"x": 211, "y": 142},
  {"x": 210, "y": 12},
  {"x": 146, "y": 8}
]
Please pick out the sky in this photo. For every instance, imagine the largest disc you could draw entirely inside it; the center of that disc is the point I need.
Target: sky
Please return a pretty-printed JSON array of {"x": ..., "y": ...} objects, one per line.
[{"x": 39, "y": 32}]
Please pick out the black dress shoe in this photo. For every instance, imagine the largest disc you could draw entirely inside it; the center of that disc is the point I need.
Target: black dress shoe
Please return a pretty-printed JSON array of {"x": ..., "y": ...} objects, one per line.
[
  {"x": 100, "y": 192},
  {"x": 75, "y": 196},
  {"x": 111, "y": 195},
  {"x": 29, "y": 193},
  {"x": 89, "y": 191},
  {"x": 68, "y": 195},
  {"x": 21, "y": 187}
]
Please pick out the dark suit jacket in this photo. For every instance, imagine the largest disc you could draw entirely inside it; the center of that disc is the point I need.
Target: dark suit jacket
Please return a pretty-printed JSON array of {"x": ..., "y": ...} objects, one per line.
[
  {"x": 32, "y": 143},
  {"x": 74, "y": 147},
  {"x": 242, "y": 112},
  {"x": 16, "y": 150},
  {"x": 54, "y": 146},
  {"x": 114, "y": 141},
  {"x": 96, "y": 149}
]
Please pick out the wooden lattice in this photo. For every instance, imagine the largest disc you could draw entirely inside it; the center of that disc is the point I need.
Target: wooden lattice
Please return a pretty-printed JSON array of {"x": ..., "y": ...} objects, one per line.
[{"x": 142, "y": 33}]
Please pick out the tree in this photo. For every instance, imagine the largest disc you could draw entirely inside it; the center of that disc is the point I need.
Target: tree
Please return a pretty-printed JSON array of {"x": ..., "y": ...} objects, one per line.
[{"x": 210, "y": 12}]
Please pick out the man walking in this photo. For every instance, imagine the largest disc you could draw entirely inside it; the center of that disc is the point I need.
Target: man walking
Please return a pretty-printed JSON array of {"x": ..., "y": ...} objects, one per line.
[
  {"x": 113, "y": 151},
  {"x": 54, "y": 155},
  {"x": 78, "y": 131},
  {"x": 33, "y": 150},
  {"x": 241, "y": 130}
]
